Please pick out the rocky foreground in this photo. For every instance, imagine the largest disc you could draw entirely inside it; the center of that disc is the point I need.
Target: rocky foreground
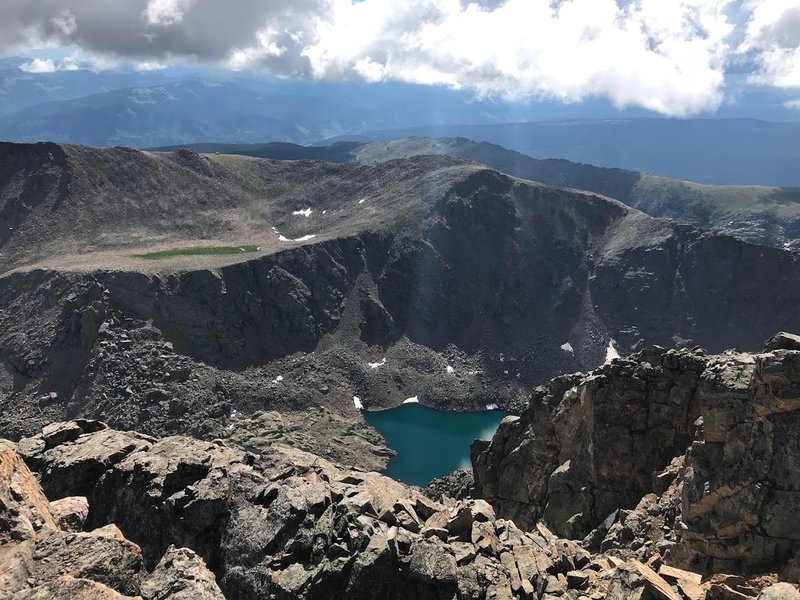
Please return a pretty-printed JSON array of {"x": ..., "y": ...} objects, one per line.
[{"x": 590, "y": 493}]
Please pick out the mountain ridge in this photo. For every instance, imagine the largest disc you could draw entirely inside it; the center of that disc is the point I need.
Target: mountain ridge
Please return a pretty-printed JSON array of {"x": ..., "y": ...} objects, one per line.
[{"x": 761, "y": 214}]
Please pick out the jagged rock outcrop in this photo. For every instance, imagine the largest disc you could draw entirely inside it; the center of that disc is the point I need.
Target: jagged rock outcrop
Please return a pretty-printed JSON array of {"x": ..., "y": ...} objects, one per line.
[
  {"x": 670, "y": 454},
  {"x": 42, "y": 560}
]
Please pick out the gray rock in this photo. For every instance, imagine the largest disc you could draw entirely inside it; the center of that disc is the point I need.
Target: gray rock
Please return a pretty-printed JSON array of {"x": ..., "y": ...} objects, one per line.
[{"x": 780, "y": 591}]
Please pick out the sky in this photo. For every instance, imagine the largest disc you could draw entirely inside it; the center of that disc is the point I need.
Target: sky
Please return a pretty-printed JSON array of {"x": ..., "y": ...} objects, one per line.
[{"x": 669, "y": 56}]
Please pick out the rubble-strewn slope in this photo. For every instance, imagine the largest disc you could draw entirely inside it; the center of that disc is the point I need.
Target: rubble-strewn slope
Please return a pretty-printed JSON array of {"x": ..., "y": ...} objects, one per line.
[{"x": 674, "y": 452}]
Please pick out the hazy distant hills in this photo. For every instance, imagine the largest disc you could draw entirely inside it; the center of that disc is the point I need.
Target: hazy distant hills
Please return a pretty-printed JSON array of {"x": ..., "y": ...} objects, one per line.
[
  {"x": 19, "y": 89},
  {"x": 762, "y": 214},
  {"x": 189, "y": 110},
  {"x": 724, "y": 151}
]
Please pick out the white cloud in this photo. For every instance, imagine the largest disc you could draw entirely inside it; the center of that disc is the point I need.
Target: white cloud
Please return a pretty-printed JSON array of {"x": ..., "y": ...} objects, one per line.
[
  {"x": 666, "y": 56},
  {"x": 795, "y": 104},
  {"x": 39, "y": 65},
  {"x": 772, "y": 37},
  {"x": 165, "y": 12},
  {"x": 73, "y": 62},
  {"x": 149, "y": 65}
]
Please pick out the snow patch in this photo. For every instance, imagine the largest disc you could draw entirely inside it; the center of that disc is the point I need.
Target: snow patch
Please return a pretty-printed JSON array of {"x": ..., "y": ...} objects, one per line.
[
  {"x": 306, "y": 212},
  {"x": 361, "y": 201},
  {"x": 611, "y": 351},
  {"x": 278, "y": 379},
  {"x": 305, "y": 238},
  {"x": 377, "y": 364},
  {"x": 450, "y": 370},
  {"x": 567, "y": 347},
  {"x": 491, "y": 407},
  {"x": 412, "y": 400},
  {"x": 357, "y": 403}
]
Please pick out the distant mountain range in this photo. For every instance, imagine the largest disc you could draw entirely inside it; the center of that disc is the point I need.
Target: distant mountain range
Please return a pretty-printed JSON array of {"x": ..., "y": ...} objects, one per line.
[
  {"x": 183, "y": 111},
  {"x": 178, "y": 106},
  {"x": 761, "y": 214}
]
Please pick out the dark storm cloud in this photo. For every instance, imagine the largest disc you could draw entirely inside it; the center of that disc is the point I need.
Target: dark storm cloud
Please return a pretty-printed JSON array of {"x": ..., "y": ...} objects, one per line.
[{"x": 204, "y": 29}]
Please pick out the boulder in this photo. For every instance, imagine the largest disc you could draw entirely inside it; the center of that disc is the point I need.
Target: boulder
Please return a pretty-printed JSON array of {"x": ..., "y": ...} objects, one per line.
[
  {"x": 181, "y": 575},
  {"x": 782, "y": 341},
  {"x": 70, "y": 513},
  {"x": 780, "y": 591},
  {"x": 432, "y": 563}
]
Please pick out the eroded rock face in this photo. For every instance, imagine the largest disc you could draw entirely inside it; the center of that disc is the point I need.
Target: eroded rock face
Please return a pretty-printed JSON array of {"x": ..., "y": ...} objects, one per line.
[
  {"x": 689, "y": 457},
  {"x": 741, "y": 493},
  {"x": 44, "y": 554},
  {"x": 589, "y": 444}
]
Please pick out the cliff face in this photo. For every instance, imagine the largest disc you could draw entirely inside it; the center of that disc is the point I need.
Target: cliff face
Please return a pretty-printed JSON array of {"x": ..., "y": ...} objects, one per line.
[
  {"x": 428, "y": 277},
  {"x": 703, "y": 446}
]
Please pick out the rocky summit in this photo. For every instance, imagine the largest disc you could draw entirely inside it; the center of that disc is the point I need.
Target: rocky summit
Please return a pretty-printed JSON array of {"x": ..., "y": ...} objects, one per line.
[{"x": 668, "y": 474}]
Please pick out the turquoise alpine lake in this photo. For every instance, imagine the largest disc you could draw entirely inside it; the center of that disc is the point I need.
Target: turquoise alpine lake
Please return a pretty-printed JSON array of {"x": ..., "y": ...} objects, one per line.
[{"x": 430, "y": 443}]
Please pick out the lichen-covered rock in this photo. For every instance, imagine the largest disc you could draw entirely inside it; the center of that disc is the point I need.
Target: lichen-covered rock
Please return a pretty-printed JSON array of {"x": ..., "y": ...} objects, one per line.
[
  {"x": 66, "y": 587},
  {"x": 181, "y": 575},
  {"x": 70, "y": 513},
  {"x": 780, "y": 591}
]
